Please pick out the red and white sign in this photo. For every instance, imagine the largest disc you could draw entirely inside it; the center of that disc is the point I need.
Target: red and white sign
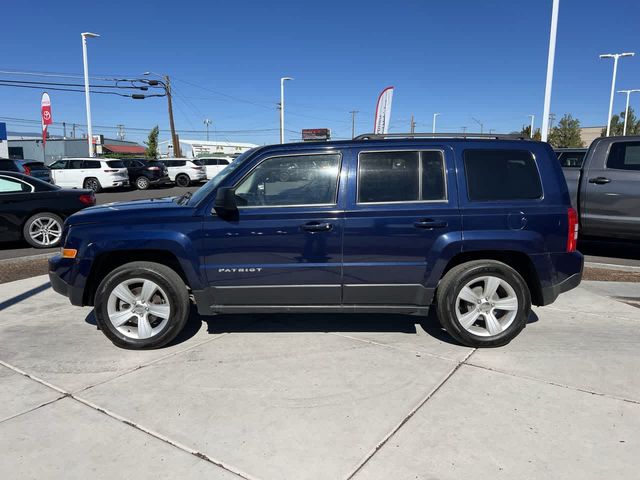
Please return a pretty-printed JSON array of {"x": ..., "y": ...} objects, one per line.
[
  {"x": 383, "y": 111},
  {"x": 45, "y": 111}
]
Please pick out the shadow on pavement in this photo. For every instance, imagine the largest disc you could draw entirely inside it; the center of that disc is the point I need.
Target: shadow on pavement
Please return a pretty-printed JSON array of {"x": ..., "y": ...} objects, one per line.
[{"x": 24, "y": 296}]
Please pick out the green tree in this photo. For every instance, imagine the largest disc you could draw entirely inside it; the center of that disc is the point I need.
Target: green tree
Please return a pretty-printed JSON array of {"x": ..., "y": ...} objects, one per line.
[
  {"x": 617, "y": 124},
  {"x": 567, "y": 133},
  {"x": 526, "y": 132},
  {"x": 152, "y": 143}
]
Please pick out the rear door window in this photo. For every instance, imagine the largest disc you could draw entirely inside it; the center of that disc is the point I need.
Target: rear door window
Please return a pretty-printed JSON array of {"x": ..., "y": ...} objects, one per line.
[
  {"x": 90, "y": 164},
  {"x": 624, "y": 156},
  {"x": 501, "y": 175},
  {"x": 76, "y": 164},
  {"x": 115, "y": 164},
  {"x": 60, "y": 164},
  {"x": 10, "y": 185},
  {"x": 402, "y": 176}
]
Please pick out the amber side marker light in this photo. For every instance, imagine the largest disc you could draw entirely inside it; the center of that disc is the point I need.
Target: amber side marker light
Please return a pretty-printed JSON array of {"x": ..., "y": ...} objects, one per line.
[{"x": 69, "y": 253}]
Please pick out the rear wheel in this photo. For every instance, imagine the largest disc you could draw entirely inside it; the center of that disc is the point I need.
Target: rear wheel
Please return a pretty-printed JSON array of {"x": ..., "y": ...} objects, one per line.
[
  {"x": 183, "y": 180},
  {"x": 483, "y": 303},
  {"x": 92, "y": 184},
  {"x": 43, "y": 230},
  {"x": 142, "y": 183},
  {"x": 142, "y": 305}
]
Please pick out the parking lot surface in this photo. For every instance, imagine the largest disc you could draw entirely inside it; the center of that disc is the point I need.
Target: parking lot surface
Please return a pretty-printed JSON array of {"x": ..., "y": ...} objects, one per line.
[{"x": 321, "y": 396}]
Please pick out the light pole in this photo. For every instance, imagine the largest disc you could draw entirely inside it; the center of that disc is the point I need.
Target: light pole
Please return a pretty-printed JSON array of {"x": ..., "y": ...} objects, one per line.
[
  {"x": 531, "y": 128},
  {"x": 282, "y": 80},
  {"x": 435, "y": 115},
  {"x": 615, "y": 57},
  {"x": 353, "y": 123},
  {"x": 544, "y": 132},
  {"x": 87, "y": 100},
  {"x": 626, "y": 110},
  {"x": 207, "y": 122}
]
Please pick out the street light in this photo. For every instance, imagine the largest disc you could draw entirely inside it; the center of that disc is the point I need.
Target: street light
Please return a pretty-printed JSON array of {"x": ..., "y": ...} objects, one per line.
[
  {"x": 626, "y": 110},
  {"x": 282, "y": 80},
  {"x": 435, "y": 115},
  {"x": 531, "y": 128},
  {"x": 615, "y": 57},
  {"x": 87, "y": 100},
  {"x": 544, "y": 132},
  {"x": 207, "y": 122}
]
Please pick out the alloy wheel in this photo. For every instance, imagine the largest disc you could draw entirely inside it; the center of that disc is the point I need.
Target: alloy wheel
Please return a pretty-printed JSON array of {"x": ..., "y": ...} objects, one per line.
[{"x": 45, "y": 231}]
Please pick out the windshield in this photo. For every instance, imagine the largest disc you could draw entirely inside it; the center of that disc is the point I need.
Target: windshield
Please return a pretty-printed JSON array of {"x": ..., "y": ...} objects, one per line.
[{"x": 212, "y": 184}]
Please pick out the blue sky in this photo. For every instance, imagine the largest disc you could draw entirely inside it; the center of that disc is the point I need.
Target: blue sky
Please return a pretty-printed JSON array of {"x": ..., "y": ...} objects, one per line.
[{"x": 482, "y": 59}]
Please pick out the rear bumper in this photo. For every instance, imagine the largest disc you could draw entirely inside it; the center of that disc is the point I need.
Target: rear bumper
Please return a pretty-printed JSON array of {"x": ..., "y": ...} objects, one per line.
[
  {"x": 550, "y": 294},
  {"x": 563, "y": 273}
]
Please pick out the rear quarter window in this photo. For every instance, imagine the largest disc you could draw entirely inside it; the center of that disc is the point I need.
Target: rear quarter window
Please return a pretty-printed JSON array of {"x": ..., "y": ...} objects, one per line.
[
  {"x": 115, "y": 164},
  {"x": 501, "y": 175}
]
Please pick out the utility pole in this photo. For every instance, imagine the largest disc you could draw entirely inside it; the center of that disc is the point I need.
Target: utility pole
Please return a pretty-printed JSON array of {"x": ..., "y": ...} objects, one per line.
[
  {"x": 120, "y": 132},
  {"x": 282, "y": 80},
  {"x": 207, "y": 122},
  {"x": 73, "y": 130},
  {"x": 412, "y": 126},
  {"x": 174, "y": 137},
  {"x": 353, "y": 123},
  {"x": 479, "y": 123},
  {"x": 464, "y": 130},
  {"x": 64, "y": 130},
  {"x": 552, "y": 118}
]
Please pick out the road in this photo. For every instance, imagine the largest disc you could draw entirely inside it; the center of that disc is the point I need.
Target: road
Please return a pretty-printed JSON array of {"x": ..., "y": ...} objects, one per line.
[{"x": 612, "y": 253}]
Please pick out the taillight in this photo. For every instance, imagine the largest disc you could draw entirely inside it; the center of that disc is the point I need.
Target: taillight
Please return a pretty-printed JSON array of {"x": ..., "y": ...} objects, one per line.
[
  {"x": 110, "y": 170},
  {"x": 153, "y": 168},
  {"x": 572, "y": 234},
  {"x": 87, "y": 199},
  {"x": 197, "y": 168},
  {"x": 27, "y": 170}
]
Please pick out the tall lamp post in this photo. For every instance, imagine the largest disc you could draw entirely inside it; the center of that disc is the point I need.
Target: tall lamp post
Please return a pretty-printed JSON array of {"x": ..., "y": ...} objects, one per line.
[
  {"x": 531, "y": 128},
  {"x": 87, "y": 100},
  {"x": 433, "y": 129},
  {"x": 626, "y": 109},
  {"x": 207, "y": 122},
  {"x": 615, "y": 57},
  {"x": 282, "y": 80},
  {"x": 544, "y": 131}
]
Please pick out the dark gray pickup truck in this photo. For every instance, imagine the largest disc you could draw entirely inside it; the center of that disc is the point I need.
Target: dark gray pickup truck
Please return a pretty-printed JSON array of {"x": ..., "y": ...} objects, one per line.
[{"x": 605, "y": 187}]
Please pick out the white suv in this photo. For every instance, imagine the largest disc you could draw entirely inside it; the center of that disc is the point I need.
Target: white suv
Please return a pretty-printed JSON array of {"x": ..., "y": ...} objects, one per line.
[
  {"x": 214, "y": 165},
  {"x": 91, "y": 173},
  {"x": 184, "y": 171}
]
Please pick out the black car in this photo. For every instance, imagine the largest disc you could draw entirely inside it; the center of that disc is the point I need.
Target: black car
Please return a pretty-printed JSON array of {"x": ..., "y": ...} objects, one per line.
[
  {"x": 35, "y": 210},
  {"x": 32, "y": 168},
  {"x": 144, "y": 173}
]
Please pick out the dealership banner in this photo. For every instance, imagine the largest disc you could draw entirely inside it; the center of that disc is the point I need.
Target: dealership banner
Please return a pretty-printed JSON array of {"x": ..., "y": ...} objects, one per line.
[
  {"x": 45, "y": 111},
  {"x": 383, "y": 111}
]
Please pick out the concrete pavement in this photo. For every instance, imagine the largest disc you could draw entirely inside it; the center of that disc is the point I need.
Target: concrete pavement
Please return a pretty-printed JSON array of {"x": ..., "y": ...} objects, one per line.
[{"x": 321, "y": 396}]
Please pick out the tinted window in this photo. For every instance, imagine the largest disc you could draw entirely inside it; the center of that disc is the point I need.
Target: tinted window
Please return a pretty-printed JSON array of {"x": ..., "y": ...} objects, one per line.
[
  {"x": 36, "y": 166},
  {"x": 90, "y": 164},
  {"x": 501, "y": 175},
  {"x": 9, "y": 185},
  {"x": 179, "y": 163},
  {"x": 222, "y": 161},
  {"x": 8, "y": 165},
  {"x": 58, "y": 165},
  {"x": 210, "y": 161},
  {"x": 571, "y": 159},
  {"x": 400, "y": 176},
  {"x": 115, "y": 164},
  {"x": 624, "y": 156},
  {"x": 292, "y": 180},
  {"x": 197, "y": 162},
  {"x": 76, "y": 164}
]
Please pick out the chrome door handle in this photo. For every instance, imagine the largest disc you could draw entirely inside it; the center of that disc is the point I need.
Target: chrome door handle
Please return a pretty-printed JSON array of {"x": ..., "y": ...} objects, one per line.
[
  {"x": 317, "y": 227},
  {"x": 430, "y": 224},
  {"x": 599, "y": 180}
]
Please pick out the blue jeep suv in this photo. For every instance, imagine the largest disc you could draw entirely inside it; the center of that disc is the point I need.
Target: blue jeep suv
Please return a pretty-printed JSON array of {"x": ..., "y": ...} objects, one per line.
[{"x": 481, "y": 228}]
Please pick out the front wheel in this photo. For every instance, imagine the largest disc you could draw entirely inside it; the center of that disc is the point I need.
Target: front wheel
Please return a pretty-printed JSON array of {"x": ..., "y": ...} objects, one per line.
[
  {"x": 483, "y": 303},
  {"x": 142, "y": 305},
  {"x": 142, "y": 183},
  {"x": 183, "y": 180}
]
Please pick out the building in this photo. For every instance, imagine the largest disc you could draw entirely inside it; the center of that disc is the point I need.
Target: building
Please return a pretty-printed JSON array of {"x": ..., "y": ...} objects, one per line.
[
  {"x": 589, "y": 134},
  {"x": 29, "y": 147},
  {"x": 203, "y": 148}
]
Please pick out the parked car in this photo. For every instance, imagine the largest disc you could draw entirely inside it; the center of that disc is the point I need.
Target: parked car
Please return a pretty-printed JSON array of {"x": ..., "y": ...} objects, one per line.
[
  {"x": 214, "y": 165},
  {"x": 571, "y": 157},
  {"x": 480, "y": 228},
  {"x": 90, "y": 173},
  {"x": 35, "y": 210},
  {"x": 145, "y": 173},
  {"x": 27, "y": 167},
  {"x": 605, "y": 188},
  {"x": 184, "y": 172}
]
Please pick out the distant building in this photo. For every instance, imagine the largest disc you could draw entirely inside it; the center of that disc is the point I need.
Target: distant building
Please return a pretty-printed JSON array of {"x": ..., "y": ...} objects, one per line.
[
  {"x": 589, "y": 134},
  {"x": 29, "y": 147},
  {"x": 202, "y": 148}
]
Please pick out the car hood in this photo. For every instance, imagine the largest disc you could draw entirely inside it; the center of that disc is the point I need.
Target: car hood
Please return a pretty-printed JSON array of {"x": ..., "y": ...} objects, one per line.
[{"x": 136, "y": 209}]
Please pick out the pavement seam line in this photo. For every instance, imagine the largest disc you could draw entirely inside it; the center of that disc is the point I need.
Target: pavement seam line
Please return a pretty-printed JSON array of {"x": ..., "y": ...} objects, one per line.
[
  {"x": 163, "y": 438},
  {"x": 32, "y": 409},
  {"x": 408, "y": 417},
  {"x": 555, "y": 384},
  {"x": 372, "y": 342},
  {"x": 144, "y": 365}
]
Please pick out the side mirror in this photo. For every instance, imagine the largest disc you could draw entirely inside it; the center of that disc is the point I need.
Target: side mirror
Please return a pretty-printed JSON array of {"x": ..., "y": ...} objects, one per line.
[{"x": 225, "y": 203}]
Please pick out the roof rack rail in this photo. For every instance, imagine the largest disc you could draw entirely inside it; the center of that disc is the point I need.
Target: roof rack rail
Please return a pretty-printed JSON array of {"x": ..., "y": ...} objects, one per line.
[{"x": 493, "y": 136}]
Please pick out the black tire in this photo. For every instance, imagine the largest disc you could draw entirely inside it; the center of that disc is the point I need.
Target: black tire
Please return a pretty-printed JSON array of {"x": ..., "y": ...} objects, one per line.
[
  {"x": 171, "y": 284},
  {"x": 183, "y": 180},
  {"x": 53, "y": 228},
  {"x": 142, "y": 183},
  {"x": 458, "y": 277},
  {"x": 92, "y": 183}
]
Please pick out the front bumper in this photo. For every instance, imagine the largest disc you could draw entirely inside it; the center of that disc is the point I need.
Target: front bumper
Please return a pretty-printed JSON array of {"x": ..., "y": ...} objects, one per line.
[{"x": 57, "y": 273}]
